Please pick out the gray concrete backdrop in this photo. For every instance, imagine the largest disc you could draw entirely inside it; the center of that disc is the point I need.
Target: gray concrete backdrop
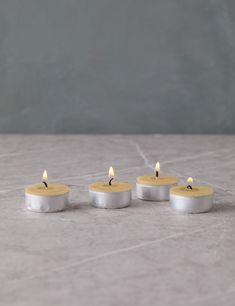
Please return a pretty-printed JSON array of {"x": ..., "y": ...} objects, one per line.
[{"x": 122, "y": 66}]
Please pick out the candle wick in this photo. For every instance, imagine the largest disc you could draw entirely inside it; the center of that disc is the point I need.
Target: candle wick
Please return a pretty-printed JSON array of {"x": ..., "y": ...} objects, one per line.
[
  {"x": 189, "y": 187},
  {"x": 110, "y": 182},
  {"x": 45, "y": 183},
  {"x": 157, "y": 174}
]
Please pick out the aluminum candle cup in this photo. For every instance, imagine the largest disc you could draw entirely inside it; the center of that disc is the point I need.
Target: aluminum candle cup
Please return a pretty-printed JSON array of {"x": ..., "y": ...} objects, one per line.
[
  {"x": 103, "y": 195},
  {"x": 152, "y": 188},
  {"x": 40, "y": 198},
  {"x": 199, "y": 199}
]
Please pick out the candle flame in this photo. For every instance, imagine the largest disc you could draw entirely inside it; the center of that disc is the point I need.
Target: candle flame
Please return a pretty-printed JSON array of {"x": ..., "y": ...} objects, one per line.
[
  {"x": 157, "y": 167},
  {"x": 44, "y": 176},
  {"x": 111, "y": 172},
  {"x": 190, "y": 180}
]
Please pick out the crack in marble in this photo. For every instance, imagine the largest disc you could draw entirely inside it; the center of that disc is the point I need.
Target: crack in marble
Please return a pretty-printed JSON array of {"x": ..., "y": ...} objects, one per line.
[
  {"x": 9, "y": 154},
  {"x": 141, "y": 153},
  {"x": 143, "y": 156},
  {"x": 195, "y": 156},
  {"x": 147, "y": 163},
  {"x": 208, "y": 183},
  {"x": 64, "y": 179},
  {"x": 111, "y": 253},
  {"x": 72, "y": 268},
  {"x": 180, "y": 174},
  {"x": 99, "y": 174}
]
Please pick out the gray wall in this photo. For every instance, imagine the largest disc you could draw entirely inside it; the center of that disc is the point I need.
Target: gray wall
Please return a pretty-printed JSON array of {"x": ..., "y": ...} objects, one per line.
[{"x": 123, "y": 66}]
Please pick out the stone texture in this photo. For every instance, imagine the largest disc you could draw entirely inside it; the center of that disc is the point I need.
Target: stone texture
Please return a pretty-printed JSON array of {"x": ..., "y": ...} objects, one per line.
[{"x": 145, "y": 254}]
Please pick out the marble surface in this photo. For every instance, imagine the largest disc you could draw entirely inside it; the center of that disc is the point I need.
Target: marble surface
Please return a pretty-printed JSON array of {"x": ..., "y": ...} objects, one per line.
[{"x": 145, "y": 254}]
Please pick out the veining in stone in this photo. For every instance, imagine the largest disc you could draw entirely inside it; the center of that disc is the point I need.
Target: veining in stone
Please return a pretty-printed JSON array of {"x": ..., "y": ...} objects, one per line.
[{"x": 145, "y": 254}]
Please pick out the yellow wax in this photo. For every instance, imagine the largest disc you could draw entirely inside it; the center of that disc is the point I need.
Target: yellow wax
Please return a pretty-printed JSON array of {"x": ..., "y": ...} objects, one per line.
[
  {"x": 115, "y": 187},
  {"x": 197, "y": 191},
  {"x": 157, "y": 181},
  {"x": 51, "y": 190}
]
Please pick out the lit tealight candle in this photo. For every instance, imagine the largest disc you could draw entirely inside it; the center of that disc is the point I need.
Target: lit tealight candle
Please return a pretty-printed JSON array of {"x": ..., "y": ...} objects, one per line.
[
  {"x": 191, "y": 199},
  {"x": 110, "y": 194},
  {"x": 155, "y": 187},
  {"x": 46, "y": 197}
]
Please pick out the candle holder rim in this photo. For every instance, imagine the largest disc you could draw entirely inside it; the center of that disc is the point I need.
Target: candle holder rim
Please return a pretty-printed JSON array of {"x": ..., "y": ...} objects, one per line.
[
  {"x": 195, "y": 192},
  {"x": 151, "y": 180},
  {"x": 47, "y": 192},
  {"x": 104, "y": 187}
]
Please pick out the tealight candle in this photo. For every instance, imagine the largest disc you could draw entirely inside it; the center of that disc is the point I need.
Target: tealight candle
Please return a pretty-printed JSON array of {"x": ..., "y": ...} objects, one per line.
[
  {"x": 191, "y": 199},
  {"x": 155, "y": 187},
  {"x": 46, "y": 197},
  {"x": 111, "y": 194}
]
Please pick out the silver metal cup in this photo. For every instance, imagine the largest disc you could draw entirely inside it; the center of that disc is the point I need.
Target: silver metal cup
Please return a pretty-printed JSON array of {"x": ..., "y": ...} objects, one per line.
[
  {"x": 153, "y": 192},
  {"x": 191, "y": 205},
  {"x": 110, "y": 199},
  {"x": 46, "y": 204}
]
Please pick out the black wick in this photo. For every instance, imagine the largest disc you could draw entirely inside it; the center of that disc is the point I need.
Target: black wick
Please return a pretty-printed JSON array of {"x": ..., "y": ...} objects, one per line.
[
  {"x": 157, "y": 174},
  {"x": 45, "y": 183},
  {"x": 110, "y": 181},
  {"x": 189, "y": 187}
]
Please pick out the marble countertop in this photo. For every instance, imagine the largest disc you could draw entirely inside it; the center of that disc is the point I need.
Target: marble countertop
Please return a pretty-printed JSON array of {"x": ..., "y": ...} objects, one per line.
[{"x": 145, "y": 254}]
